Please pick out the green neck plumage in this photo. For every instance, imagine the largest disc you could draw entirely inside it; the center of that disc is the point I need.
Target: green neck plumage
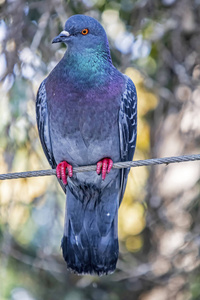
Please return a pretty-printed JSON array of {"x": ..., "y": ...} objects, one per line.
[{"x": 89, "y": 65}]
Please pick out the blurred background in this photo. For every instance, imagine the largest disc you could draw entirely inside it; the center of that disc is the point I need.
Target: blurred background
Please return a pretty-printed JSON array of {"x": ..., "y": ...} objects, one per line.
[{"x": 157, "y": 44}]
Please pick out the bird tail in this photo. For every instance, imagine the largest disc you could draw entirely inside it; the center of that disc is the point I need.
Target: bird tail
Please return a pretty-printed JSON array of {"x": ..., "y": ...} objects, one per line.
[{"x": 90, "y": 241}]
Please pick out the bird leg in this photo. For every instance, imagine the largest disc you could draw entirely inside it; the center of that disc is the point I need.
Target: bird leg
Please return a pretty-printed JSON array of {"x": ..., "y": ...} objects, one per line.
[
  {"x": 61, "y": 171},
  {"x": 104, "y": 166}
]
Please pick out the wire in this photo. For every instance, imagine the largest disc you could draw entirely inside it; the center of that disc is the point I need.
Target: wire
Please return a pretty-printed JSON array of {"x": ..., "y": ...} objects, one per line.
[{"x": 118, "y": 165}]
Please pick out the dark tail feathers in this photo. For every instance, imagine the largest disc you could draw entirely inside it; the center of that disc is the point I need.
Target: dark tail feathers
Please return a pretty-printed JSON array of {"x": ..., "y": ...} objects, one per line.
[{"x": 90, "y": 242}]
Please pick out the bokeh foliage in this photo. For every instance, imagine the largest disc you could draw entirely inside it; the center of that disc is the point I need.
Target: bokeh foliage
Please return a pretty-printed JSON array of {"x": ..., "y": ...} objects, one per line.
[{"x": 157, "y": 44}]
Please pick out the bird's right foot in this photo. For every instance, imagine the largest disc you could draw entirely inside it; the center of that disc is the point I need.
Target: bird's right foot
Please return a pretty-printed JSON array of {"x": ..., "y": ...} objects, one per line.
[{"x": 61, "y": 171}]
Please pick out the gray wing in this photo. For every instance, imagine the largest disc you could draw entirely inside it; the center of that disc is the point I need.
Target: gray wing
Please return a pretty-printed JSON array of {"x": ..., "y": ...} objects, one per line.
[
  {"x": 127, "y": 128},
  {"x": 43, "y": 127},
  {"x": 43, "y": 124}
]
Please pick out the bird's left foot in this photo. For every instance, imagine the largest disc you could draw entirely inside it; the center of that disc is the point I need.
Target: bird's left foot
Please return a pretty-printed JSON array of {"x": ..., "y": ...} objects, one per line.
[
  {"x": 104, "y": 166},
  {"x": 61, "y": 171}
]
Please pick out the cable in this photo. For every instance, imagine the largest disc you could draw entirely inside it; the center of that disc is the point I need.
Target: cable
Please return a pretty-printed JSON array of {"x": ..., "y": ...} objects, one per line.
[{"x": 118, "y": 165}]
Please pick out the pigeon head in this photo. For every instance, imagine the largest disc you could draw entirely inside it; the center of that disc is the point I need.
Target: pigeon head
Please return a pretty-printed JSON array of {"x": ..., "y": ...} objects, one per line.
[{"x": 83, "y": 32}]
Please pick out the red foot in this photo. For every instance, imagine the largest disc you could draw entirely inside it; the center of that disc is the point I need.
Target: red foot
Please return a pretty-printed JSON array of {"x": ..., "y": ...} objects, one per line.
[
  {"x": 104, "y": 166},
  {"x": 61, "y": 171}
]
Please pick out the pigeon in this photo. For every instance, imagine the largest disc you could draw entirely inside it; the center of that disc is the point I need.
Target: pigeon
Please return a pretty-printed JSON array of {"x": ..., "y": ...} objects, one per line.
[{"x": 87, "y": 114}]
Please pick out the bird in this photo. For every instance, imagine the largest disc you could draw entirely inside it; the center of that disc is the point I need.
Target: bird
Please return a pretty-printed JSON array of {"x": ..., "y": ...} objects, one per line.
[{"x": 86, "y": 113}]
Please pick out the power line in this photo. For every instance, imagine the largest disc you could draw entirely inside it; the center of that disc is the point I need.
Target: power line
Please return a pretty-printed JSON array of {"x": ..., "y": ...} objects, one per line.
[{"x": 118, "y": 165}]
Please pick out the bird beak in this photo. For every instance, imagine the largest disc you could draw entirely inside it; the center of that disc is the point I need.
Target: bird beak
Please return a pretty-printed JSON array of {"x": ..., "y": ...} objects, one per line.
[{"x": 61, "y": 37}]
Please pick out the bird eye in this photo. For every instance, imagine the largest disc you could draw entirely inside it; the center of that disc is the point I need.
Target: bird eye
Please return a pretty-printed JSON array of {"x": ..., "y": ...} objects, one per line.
[{"x": 85, "y": 31}]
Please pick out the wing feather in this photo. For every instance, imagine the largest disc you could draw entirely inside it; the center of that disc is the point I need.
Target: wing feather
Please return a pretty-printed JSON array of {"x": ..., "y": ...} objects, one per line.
[
  {"x": 43, "y": 124},
  {"x": 127, "y": 128}
]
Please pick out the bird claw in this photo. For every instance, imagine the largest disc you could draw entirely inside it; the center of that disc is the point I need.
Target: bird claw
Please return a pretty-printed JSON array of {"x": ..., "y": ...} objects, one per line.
[
  {"x": 104, "y": 166},
  {"x": 61, "y": 171}
]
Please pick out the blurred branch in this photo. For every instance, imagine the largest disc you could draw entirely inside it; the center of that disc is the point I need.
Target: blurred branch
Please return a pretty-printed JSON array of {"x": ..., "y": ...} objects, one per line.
[
  {"x": 42, "y": 264},
  {"x": 40, "y": 32}
]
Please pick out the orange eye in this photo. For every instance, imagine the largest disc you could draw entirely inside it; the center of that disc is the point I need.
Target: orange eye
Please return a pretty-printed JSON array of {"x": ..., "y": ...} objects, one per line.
[{"x": 85, "y": 31}]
